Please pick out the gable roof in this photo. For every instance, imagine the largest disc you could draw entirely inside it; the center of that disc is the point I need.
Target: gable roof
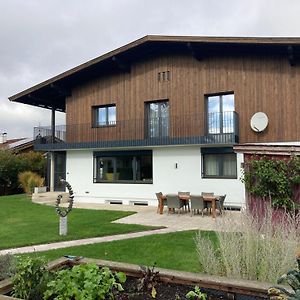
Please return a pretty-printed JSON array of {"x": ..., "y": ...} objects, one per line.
[
  {"x": 52, "y": 93},
  {"x": 17, "y": 144}
]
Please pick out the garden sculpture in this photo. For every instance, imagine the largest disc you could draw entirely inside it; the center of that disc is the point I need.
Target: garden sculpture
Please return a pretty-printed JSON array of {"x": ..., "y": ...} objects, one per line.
[{"x": 63, "y": 212}]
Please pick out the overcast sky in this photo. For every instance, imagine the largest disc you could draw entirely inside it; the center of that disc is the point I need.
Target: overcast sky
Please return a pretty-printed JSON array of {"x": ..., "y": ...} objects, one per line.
[{"x": 42, "y": 38}]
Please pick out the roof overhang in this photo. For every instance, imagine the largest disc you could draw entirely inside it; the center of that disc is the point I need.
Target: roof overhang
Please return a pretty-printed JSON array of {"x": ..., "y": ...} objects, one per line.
[
  {"x": 267, "y": 149},
  {"x": 52, "y": 93}
]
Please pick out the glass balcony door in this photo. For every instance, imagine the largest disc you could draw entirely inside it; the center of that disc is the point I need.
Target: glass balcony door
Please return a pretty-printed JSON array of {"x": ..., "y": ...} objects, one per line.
[
  {"x": 220, "y": 114},
  {"x": 157, "y": 119}
]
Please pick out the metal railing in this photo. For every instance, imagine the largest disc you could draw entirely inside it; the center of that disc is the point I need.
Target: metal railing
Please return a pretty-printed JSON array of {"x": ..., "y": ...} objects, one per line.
[{"x": 215, "y": 128}]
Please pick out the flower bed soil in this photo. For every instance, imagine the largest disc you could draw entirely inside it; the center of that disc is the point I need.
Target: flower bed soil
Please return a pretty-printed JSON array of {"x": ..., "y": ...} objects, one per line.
[{"x": 165, "y": 291}]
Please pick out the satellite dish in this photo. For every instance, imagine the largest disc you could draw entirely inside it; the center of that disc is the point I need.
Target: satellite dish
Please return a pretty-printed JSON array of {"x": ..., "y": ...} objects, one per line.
[{"x": 259, "y": 122}]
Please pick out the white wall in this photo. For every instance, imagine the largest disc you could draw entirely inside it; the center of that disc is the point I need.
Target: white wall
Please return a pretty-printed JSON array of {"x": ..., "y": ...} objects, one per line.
[{"x": 166, "y": 178}]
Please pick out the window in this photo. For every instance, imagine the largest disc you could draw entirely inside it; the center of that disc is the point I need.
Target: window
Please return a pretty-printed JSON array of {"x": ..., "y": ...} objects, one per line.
[
  {"x": 157, "y": 116},
  {"x": 104, "y": 115},
  {"x": 220, "y": 114},
  {"x": 219, "y": 163},
  {"x": 123, "y": 166}
]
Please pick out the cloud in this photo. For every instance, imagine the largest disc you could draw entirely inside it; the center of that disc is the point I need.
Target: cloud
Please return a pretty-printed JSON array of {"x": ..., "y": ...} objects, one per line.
[{"x": 39, "y": 41}]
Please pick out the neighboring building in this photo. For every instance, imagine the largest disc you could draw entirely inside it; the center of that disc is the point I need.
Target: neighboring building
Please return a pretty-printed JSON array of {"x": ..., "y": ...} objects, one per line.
[
  {"x": 20, "y": 145},
  {"x": 163, "y": 114}
]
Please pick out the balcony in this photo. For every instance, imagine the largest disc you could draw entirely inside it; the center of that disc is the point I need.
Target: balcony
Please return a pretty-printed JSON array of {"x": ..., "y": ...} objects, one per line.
[{"x": 216, "y": 128}]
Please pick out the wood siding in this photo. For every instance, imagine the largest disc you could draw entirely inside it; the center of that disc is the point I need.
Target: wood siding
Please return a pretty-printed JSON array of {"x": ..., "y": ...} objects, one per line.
[{"x": 266, "y": 83}]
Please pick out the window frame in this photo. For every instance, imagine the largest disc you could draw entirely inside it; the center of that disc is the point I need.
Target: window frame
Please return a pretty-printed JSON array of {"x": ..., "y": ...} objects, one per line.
[
  {"x": 221, "y": 111},
  {"x": 220, "y": 153},
  {"x": 95, "y": 116},
  {"x": 114, "y": 155},
  {"x": 163, "y": 131}
]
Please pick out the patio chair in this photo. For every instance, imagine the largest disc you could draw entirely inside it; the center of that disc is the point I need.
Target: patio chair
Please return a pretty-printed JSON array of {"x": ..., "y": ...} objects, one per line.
[
  {"x": 207, "y": 205},
  {"x": 197, "y": 204},
  {"x": 158, "y": 196},
  {"x": 173, "y": 203},
  {"x": 220, "y": 204},
  {"x": 185, "y": 202}
]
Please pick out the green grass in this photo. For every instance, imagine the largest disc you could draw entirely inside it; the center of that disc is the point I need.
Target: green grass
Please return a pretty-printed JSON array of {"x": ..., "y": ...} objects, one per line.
[
  {"x": 172, "y": 251},
  {"x": 25, "y": 223}
]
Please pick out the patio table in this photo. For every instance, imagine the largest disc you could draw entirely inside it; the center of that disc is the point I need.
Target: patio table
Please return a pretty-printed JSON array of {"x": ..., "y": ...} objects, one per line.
[{"x": 213, "y": 200}]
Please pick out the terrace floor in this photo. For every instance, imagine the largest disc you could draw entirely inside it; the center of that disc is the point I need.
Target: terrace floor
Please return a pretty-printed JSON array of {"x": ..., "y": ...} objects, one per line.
[{"x": 146, "y": 215}]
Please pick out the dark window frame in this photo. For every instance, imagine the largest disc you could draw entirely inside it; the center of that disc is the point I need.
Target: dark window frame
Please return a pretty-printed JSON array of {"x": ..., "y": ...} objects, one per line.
[
  {"x": 95, "y": 116},
  {"x": 114, "y": 155},
  {"x": 218, "y": 94},
  {"x": 219, "y": 154},
  {"x": 161, "y": 128}
]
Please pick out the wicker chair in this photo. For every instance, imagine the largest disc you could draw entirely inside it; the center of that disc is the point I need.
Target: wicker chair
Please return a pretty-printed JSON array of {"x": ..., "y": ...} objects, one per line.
[
  {"x": 174, "y": 203},
  {"x": 158, "y": 196},
  {"x": 207, "y": 205},
  {"x": 197, "y": 204},
  {"x": 220, "y": 204}
]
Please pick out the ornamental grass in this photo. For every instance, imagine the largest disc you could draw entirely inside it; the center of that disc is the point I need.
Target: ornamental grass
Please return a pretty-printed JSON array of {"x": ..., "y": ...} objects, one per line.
[{"x": 252, "y": 248}]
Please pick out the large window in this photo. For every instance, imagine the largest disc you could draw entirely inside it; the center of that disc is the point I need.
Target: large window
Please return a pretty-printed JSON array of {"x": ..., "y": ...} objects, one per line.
[
  {"x": 104, "y": 115},
  {"x": 219, "y": 163},
  {"x": 157, "y": 116},
  {"x": 220, "y": 113},
  {"x": 123, "y": 166}
]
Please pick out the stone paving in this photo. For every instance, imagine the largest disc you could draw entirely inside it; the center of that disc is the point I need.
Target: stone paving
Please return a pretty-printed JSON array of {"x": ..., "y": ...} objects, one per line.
[{"x": 146, "y": 215}]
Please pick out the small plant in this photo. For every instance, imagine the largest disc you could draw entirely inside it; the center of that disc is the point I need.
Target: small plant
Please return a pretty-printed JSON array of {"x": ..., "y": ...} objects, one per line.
[
  {"x": 149, "y": 280},
  {"x": 8, "y": 266},
  {"x": 31, "y": 278},
  {"x": 292, "y": 277},
  {"x": 196, "y": 294},
  {"x": 85, "y": 282},
  {"x": 29, "y": 181}
]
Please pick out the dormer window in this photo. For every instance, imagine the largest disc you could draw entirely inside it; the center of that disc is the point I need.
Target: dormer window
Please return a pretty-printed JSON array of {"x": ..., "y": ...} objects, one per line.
[{"x": 104, "y": 115}]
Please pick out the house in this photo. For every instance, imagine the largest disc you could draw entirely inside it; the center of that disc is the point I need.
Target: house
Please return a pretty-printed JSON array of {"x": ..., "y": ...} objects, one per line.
[
  {"x": 19, "y": 145},
  {"x": 163, "y": 113}
]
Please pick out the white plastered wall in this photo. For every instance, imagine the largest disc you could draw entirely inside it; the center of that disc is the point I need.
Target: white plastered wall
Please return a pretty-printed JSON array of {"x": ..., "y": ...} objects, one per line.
[{"x": 166, "y": 178}]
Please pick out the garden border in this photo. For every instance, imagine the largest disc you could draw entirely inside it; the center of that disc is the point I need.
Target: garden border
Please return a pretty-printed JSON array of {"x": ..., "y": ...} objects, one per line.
[{"x": 231, "y": 286}]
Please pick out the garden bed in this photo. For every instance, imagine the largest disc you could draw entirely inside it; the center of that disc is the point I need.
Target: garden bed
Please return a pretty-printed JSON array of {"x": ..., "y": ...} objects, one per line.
[{"x": 172, "y": 284}]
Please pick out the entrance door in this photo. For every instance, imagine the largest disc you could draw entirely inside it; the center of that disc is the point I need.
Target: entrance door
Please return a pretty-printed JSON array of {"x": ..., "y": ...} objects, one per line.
[{"x": 59, "y": 171}]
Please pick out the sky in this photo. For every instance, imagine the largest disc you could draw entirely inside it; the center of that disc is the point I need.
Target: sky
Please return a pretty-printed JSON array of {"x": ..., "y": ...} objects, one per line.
[{"x": 42, "y": 38}]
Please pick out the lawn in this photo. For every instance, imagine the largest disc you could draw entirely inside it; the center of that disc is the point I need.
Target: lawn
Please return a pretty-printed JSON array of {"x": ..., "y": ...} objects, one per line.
[
  {"x": 172, "y": 251},
  {"x": 25, "y": 223}
]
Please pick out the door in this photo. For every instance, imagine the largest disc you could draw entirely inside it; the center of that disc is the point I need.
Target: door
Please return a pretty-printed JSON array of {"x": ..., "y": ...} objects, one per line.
[
  {"x": 59, "y": 171},
  {"x": 157, "y": 119}
]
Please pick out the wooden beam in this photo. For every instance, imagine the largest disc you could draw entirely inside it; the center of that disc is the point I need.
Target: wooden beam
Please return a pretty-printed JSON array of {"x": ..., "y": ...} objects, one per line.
[
  {"x": 61, "y": 90},
  {"x": 291, "y": 55},
  {"x": 194, "y": 52},
  {"x": 121, "y": 64},
  {"x": 37, "y": 101}
]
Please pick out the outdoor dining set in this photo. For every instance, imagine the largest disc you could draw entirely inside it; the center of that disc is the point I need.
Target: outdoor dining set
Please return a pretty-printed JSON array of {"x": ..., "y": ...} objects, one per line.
[{"x": 187, "y": 202}]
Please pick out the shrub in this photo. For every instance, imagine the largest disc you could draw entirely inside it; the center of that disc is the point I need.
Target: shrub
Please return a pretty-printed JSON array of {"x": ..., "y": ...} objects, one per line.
[
  {"x": 7, "y": 266},
  {"x": 12, "y": 164},
  {"x": 85, "y": 282},
  {"x": 29, "y": 180},
  {"x": 273, "y": 179},
  {"x": 251, "y": 248},
  {"x": 30, "y": 280}
]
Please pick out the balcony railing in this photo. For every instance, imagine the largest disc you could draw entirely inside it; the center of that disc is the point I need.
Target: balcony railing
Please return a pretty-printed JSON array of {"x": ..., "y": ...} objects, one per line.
[{"x": 216, "y": 128}]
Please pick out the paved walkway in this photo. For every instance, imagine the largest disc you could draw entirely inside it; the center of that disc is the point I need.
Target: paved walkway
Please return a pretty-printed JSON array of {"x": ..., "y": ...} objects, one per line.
[{"x": 146, "y": 215}]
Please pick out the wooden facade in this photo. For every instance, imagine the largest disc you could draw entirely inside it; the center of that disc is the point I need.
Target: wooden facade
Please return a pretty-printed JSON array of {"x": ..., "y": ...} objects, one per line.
[
  {"x": 267, "y": 80},
  {"x": 268, "y": 84}
]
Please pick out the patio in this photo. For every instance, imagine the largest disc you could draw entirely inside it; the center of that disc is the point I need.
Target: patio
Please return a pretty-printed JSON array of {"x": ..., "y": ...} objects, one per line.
[{"x": 146, "y": 215}]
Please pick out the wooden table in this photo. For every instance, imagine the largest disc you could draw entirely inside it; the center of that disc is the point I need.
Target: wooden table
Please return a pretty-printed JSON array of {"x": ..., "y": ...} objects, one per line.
[{"x": 213, "y": 200}]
